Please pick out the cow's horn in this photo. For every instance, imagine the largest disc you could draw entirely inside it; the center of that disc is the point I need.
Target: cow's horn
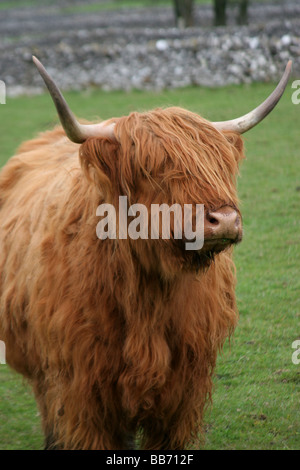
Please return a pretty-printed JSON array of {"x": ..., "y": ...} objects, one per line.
[
  {"x": 246, "y": 122},
  {"x": 75, "y": 131}
]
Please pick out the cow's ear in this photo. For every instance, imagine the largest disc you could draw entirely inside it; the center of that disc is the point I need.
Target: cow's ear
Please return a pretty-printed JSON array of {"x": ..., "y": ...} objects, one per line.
[
  {"x": 99, "y": 160},
  {"x": 237, "y": 144}
]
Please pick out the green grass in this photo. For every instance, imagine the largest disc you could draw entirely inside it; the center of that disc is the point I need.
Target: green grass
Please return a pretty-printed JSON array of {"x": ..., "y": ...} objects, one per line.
[
  {"x": 108, "y": 5},
  {"x": 256, "y": 399}
]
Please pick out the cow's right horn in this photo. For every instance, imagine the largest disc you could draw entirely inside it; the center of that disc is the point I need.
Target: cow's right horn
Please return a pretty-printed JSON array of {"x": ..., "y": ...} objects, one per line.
[
  {"x": 246, "y": 122},
  {"x": 75, "y": 131}
]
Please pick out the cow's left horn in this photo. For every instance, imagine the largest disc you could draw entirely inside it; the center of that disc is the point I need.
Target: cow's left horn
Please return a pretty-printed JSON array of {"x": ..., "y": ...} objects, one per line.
[
  {"x": 75, "y": 131},
  {"x": 246, "y": 122}
]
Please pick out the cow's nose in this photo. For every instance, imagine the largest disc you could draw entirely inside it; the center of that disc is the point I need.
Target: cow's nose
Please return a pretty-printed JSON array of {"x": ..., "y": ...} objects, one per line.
[{"x": 224, "y": 224}]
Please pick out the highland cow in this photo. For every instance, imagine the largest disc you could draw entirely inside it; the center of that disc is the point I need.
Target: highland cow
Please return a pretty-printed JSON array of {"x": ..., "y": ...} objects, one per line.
[{"x": 119, "y": 337}]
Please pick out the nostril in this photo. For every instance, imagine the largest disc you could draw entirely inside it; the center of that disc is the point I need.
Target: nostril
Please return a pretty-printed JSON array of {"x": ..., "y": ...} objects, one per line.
[{"x": 212, "y": 220}]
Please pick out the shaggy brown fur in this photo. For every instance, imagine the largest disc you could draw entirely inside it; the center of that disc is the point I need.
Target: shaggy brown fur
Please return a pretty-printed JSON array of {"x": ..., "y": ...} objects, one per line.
[{"x": 115, "y": 336}]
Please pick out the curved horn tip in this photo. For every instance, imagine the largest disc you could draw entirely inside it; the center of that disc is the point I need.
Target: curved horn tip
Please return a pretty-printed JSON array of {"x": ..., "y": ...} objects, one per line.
[
  {"x": 75, "y": 131},
  {"x": 289, "y": 65},
  {"x": 254, "y": 117},
  {"x": 288, "y": 69},
  {"x": 36, "y": 61}
]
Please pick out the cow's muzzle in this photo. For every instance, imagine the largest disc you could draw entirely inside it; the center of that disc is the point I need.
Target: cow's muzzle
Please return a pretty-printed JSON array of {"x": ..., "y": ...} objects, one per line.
[{"x": 222, "y": 227}]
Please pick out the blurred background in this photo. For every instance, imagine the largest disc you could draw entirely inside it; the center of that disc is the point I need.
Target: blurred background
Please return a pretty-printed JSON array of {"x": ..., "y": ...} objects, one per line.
[
  {"x": 220, "y": 59},
  {"x": 143, "y": 44}
]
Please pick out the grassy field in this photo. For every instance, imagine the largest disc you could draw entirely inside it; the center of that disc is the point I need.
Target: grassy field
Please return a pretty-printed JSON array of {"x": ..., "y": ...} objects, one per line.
[
  {"x": 107, "y": 5},
  {"x": 257, "y": 386},
  {"x": 104, "y": 5}
]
